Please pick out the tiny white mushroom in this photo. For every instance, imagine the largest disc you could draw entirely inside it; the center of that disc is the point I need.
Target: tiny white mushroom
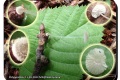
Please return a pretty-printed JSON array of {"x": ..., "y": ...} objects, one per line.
[
  {"x": 20, "y": 10},
  {"x": 98, "y": 10},
  {"x": 96, "y": 61},
  {"x": 20, "y": 48}
]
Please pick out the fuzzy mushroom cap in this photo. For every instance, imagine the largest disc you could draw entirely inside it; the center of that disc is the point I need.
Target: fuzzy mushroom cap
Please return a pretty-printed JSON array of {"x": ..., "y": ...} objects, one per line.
[
  {"x": 20, "y": 10},
  {"x": 20, "y": 48},
  {"x": 95, "y": 61},
  {"x": 98, "y": 10}
]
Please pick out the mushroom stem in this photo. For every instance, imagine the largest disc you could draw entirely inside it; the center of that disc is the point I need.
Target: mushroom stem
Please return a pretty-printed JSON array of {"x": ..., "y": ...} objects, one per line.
[
  {"x": 88, "y": 78},
  {"x": 105, "y": 17},
  {"x": 114, "y": 21}
]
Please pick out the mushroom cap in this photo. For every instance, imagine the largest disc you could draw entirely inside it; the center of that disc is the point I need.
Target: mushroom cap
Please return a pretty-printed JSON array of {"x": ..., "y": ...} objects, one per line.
[
  {"x": 20, "y": 48},
  {"x": 20, "y": 10},
  {"x": 95, "y": 61},
  {"x": 98, "y": 10}
]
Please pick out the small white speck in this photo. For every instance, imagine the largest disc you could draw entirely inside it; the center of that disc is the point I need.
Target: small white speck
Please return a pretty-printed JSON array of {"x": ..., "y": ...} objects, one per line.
[
  {"x": 47, "y": 34},
  {"x": 86, "y": 37}
]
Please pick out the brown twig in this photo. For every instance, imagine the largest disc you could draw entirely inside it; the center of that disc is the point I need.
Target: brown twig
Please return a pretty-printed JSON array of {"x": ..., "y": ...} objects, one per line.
[
  {"x": 41, "y": 60},
  {"x": 76, "y": 2}
]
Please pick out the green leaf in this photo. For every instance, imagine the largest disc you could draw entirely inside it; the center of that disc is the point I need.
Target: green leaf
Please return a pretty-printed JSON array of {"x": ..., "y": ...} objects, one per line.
[
  {"x": 108, "y": 1},
  {"x": 17, "y": 34},
  {"x": 66, "y": 26}
]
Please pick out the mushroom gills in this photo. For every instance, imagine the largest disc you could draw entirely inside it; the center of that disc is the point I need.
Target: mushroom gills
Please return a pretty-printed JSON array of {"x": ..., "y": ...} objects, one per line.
[
  {"x": 96, "y": 61},
  {"x": 20, "y": 48}
]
